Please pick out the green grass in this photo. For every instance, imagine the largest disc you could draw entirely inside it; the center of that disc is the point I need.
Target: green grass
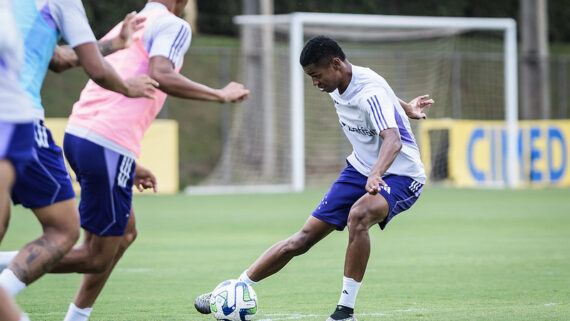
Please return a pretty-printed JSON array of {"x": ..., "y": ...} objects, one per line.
[{"x": 458, "y": 254}]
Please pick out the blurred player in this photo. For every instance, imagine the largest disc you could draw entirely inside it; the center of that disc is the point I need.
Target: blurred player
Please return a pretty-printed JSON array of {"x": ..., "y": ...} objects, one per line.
[
  {"x": 16, "y": 131},
  {"x": 384, "y": 174},
  {"x": 44, "y": 185},
  {"x": 103, "y": 138},
  {"x": 64, "y": 58}
]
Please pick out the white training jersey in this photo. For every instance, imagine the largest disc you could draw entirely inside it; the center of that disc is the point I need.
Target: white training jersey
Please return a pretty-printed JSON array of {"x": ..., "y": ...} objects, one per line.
[
  {"x": 168, "y": 35},
  {"x": 367, "y": 107},
  {"x": 15, "y": 106},
  {"x": 69, "y": 18}
]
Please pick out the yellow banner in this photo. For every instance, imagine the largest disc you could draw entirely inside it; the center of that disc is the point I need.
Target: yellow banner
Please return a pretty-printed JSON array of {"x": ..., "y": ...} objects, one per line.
[
  {"x": 159, "y": 152},
  {"x": 477, "y": 152}
]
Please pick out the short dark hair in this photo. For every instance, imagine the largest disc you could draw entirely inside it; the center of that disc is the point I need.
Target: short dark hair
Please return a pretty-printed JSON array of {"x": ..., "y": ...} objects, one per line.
[{"x": 320, "y": 49}]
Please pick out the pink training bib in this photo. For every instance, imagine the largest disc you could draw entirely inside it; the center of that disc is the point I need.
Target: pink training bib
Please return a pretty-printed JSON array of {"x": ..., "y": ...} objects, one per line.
[{"x": 118, "y": 118}]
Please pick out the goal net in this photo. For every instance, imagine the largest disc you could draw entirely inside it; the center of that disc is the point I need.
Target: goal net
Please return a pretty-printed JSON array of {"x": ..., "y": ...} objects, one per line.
[{"x": 287, "y": 135}]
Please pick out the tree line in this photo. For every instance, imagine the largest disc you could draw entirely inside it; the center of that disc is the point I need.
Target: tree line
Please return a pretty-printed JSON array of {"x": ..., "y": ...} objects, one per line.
[{"x": 215, "y": 17}]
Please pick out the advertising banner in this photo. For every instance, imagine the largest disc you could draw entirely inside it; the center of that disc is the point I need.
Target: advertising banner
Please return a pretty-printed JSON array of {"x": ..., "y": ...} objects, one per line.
[{"x": 477, "y": 152}]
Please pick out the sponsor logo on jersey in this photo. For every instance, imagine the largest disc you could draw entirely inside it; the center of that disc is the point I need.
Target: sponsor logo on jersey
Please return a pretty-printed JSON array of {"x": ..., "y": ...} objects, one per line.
[{"x": 360, "y": 130}]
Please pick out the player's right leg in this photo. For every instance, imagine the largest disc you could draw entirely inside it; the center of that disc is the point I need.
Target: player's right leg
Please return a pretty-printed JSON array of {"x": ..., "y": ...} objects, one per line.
[
  {"x": 106, "y": 178},
  {"x": 92, "y": 283},
  {"x": 331, "y": 214},
  {"x": 277, "y": 256}
]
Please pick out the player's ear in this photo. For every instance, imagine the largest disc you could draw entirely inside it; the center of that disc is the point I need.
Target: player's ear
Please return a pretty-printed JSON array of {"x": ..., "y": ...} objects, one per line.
[{"x": 336, "y": 63}]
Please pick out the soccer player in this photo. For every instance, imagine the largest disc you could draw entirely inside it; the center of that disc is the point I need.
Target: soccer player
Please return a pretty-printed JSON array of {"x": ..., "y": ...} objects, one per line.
[
  {"x": 384, "y": 174},
  {"x": 16, "y": 132},
  {"x": 103, "y": 139},
  {"x": 44, "y": 185},
  {"x": 64, "y": 58}
]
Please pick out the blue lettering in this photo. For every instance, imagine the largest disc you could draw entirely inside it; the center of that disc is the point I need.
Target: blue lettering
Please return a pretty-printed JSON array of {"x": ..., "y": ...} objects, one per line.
[
  {"x": 492, "y": 156},
  {"x": 535, "y": 175},
  {"x": 504, "y": 154},
  {"x": 522, "y": 175},
  {"x": 556, "y": 173},
  {"x": 478, "y": 134}
]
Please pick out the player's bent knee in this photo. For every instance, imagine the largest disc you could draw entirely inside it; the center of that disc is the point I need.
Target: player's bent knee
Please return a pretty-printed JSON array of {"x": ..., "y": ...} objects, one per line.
[
  {"x": 129, "y": 238},
  {"x": 73, "y": 235},
  {"x": 358, "y": 219},
  {"x": 65, "y": 238},
  {"x": 97, "y": 266},
  {"x": 61, "y": 218},
  {"x": 70, "y": 232},
  {"x": 99, "y": 263}
]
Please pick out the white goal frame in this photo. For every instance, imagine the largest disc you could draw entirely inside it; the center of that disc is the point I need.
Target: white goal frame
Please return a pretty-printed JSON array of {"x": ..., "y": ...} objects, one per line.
[{"x": 300, "y": 19}]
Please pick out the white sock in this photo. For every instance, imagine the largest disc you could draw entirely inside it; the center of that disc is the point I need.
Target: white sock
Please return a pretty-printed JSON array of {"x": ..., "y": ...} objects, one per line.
[
  {"x": 349, "y": 291},
  {"x": 244, "y": 278},
  {"x": 76, "y": 314},
  {"x": 24, "y": 317},
  {"x": 6, "y": 258},
  {"x": 10, "y": 282}
]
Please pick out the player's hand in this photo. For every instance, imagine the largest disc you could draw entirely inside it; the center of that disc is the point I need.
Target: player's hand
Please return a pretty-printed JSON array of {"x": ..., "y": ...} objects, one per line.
[
  {"x": 373, "y": 184},
  {"x": 141, "y": 86},
  {"x": 64, "y": 58},
  {"x": 417, "y": 106},
  {"x": 131, "y": 24},
  {"x": 144, "y": 179},
  {"x": 234, "y": 92}
]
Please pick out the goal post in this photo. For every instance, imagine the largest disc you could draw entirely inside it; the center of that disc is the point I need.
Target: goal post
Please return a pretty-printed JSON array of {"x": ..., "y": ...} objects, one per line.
[
  {"x": 286, "y": 136},
  {"x": 298, "y": 21}
]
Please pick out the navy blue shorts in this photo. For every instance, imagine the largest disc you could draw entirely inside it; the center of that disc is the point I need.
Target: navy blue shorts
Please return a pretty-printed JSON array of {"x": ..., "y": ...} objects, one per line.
[
  {"x": 106, "y": 178},
  {"x": 45, "y": 180},
  {"x": 401, "y": 193},
  {"x": 17, "y": 144}
]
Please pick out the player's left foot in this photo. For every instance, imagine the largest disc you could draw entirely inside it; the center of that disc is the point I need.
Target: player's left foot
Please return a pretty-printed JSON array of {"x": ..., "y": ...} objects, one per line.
[
  {"x": 342, "y": 313},
  {"x": 202, "y": 303}
]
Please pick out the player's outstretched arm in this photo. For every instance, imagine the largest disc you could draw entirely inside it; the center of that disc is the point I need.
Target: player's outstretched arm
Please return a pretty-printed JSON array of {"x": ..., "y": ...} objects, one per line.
[
  {"x": 64, "y": 57},
  {"x": 391, "y": 145},
  {"x": 415, "y": 108},
  {"x": 105, "y": 76},
  {"x": 175, "y": 84}
]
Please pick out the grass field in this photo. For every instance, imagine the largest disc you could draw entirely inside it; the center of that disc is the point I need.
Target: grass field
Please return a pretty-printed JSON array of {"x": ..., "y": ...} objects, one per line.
[{"x": 458, "y": 254}]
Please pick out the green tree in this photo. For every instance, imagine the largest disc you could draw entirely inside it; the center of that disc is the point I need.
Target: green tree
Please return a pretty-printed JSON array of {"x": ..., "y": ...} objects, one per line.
[{"x": 105, "y": 14}]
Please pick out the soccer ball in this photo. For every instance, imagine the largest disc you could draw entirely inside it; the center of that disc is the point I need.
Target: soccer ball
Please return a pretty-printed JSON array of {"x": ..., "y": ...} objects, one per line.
[{"x": 233, "y": 300}]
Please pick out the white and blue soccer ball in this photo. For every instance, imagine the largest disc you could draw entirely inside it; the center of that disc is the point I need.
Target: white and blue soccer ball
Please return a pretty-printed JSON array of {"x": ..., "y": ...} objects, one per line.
[{"x": 233, "y": 300}]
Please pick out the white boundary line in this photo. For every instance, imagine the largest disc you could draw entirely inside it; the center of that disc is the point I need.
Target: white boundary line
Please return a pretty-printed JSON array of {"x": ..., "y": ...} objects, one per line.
[
  {"x": 237, "y": 189},
  {"x": 295, "y": 316}
]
